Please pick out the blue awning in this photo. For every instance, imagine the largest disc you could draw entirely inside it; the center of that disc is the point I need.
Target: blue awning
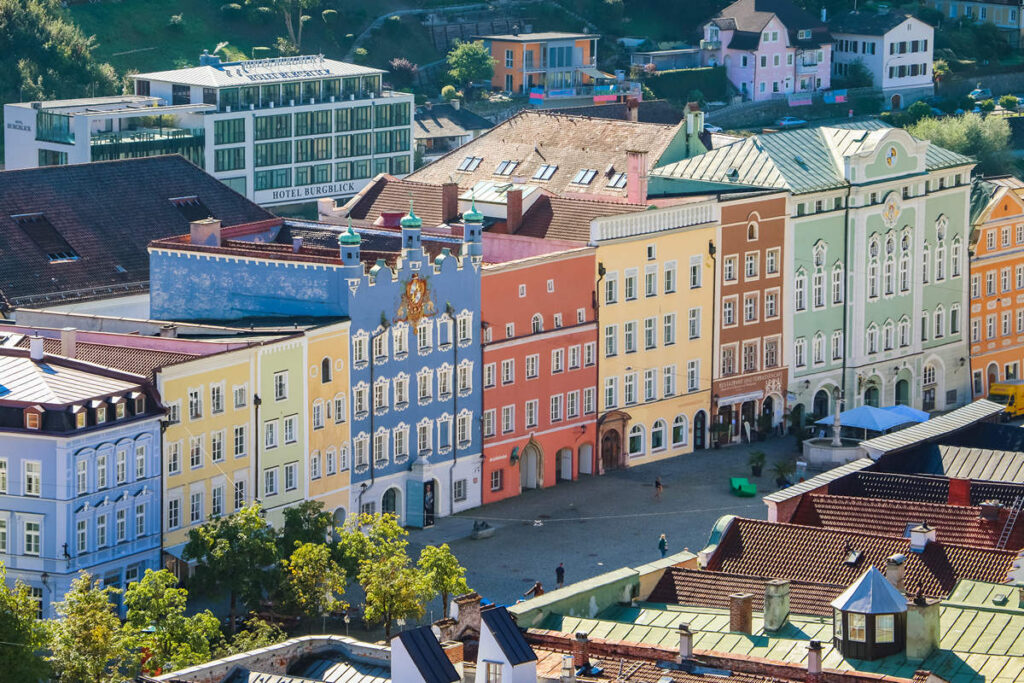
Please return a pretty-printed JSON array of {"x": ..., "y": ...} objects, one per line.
[
  {"x": 909, "y": 414},
  {"x": 866, "y": 417}
]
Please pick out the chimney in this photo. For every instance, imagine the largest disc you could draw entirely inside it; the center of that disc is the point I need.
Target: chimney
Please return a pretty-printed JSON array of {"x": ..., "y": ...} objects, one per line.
[
  {"x": 776, "y": 604},
  {"x": 922, "y": 627},
  {"x": 456, "y": 104},
  {"x": 581, "y": 651},
  {"x": 568, "y": 674},
  {"x": 813, "y": 662},
  {"x": 205, "y": 232},
  {"x": 35, "y": 347},
  {"x": 895, "y": 570},
  {"x": 632, "y": 109},
  {"x": 469, "y": 612},
  {"x": 449, "y": 202},
  {"x": 389, "y": 219},
  {"x": 685, "y": 642},
  {"x": 921, "y": 536},
  {"x": 741, "y": 612},
  {"x": 68, "y": 342},
  {"x": 989, "y": 510},
  {"x": 959, "y": 492},
  {"x": 296, "y": 245},
  {"x": 170, "y": 331},
  {"x": 636, "y": 177},
  {"x": 514, "y": 215}
]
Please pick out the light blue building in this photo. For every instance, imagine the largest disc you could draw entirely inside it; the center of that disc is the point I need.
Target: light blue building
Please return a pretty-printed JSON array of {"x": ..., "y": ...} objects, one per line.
[
  {"x": 79, "y": 473},
  {"x": 415, "y": 361}
]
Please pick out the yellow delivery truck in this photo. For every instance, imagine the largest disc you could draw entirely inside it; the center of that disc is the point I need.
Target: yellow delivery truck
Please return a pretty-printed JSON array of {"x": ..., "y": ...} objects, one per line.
[{"x": 1010, "y": 394}]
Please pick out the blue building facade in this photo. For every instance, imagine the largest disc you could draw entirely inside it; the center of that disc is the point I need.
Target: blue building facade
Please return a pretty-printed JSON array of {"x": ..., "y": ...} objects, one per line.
[
  {"x": 79, "y": 479},
  {"x": 415, "y": 396}
]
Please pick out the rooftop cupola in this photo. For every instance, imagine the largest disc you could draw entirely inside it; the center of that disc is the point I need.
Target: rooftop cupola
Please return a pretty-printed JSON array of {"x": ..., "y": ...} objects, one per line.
[
  {"x": 411, "y": 225},
  {"x": 870, "y": 618},
  {"x": 349, "y": 242},
  {"x": 472, "y": 233}
]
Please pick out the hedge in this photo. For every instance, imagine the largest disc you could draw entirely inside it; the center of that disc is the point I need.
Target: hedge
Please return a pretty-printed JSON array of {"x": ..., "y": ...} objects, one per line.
[{"x": 676, "y": 84}]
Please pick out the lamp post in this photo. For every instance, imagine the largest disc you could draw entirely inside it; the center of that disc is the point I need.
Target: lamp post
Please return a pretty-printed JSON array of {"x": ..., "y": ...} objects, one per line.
[{"x": 836, "y": 426}]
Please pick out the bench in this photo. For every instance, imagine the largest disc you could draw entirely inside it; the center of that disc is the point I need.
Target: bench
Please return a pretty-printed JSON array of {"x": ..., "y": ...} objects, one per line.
[{"x": 739, "y": 486}]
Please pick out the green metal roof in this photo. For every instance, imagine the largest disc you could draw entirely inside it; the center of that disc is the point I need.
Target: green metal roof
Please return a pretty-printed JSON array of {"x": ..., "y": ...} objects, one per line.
[
  {"x": 802, "y": 161},
  {"x": 981, "y": 639}
]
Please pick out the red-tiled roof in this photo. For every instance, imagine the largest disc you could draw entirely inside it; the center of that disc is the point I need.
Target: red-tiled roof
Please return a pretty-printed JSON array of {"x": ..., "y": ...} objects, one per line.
[
  {"x": 388, "y": 193},
  {"x": 568, "y": 218},
  {"x": 698, "y": 588},
  {"x": 960, "y": 525},
  {"x": 789, "y": 551},
  {"x": 134, "y": 360}
]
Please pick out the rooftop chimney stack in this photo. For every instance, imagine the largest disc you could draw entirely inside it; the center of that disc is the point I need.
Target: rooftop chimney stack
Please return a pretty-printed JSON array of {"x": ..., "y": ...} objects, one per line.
[
  {"x": 685, "y": 642},
  {"x": 990, "y": 510},
  {"x": 632, "y": 109},
  {"x": 581, "y": 651},
  {"x": 296, "y": 245},
  {"x": 636, "y": 177},
  {"x": 814, "y": 662},
  {"x": 205, "y": 232},
  {"x": 776, "y": 604},
  {"x": 170, "y": 331},
  {"x": 895, "y": 567},
  {"x": 68, "y": 342},
  {"x": 959, "y": 492},
  {"x": 514, "y": 216},
  {"x": 35, "y": 347},
  {"x": 449, "y": 202},
  {"x": 920, "y": 537},
  {"x": 741, "y": 612},
  {"x": 568, "y": 674},
  {"x": 922, "y": 627}
]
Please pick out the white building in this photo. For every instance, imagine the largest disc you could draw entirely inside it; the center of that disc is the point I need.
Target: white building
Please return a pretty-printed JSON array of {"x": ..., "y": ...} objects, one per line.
[
  {"x": 896, "y": 49},
  {"x": 285, "y": 130}
]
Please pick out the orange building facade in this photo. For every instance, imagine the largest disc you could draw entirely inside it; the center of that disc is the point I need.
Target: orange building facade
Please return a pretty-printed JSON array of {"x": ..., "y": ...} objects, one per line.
[
  {"x": 553, "y": 61},
  {"x": 997, "y": 283},
  {"x": 540, "y": 372}
]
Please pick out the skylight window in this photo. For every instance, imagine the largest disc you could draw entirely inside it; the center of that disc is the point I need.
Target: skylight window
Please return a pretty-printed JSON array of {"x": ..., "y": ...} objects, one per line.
[
  {"x": 192, "y": 208},
  {"x": 618, "y": 180},
  {"x": 506, "y": 168},
  {"x": 469, "y": 164},
  {"x": 585, "y": 176},
  {"x": 38, "y": 228},
  {"x": 545, "y": 172}
]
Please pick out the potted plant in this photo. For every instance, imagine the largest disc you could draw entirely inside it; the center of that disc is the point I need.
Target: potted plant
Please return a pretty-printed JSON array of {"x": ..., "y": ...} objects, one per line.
[
  {"x": 720, "y": 432},
  {"x": 782, "y": 470},
  {"x": 756, "y": 462},
  {"x": 764, "y": 426}
]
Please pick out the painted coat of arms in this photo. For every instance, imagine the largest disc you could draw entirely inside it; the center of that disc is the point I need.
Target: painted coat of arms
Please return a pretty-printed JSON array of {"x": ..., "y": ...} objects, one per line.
[{"x": 416, "y": 302}]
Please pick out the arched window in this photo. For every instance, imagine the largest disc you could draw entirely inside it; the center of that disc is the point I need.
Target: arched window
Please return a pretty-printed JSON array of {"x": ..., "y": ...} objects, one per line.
[
  {"x": 680, "y": 430},
  {"x": 954, "y": 257},
  {"x": 537, "y": 323},
  {"x": 325, "y": 370},
  {"x": 925, "y": 259},
  {"x": 872, "y": 339},
  {"x": 928, "y": 375},
  {"x": 800, "y": 292},
  {"x": 904, "y": 332},
  {"x": 874, "y": 272},
  {"x": 818, "y": 347},
  {"x": 658, "y": 435},
  {"x": 940, "y": 322},
  {"x": 752, "y": 231},
  {"x": 888, "y": 337},
  {"x": 636, "y": 440},
  {"x": 837, "y": 283},
  {"x": 890, "y": 275}
]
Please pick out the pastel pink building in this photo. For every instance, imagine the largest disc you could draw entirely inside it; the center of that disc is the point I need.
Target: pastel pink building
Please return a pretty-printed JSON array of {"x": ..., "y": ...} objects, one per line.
[{"x": 769, "y": 48}]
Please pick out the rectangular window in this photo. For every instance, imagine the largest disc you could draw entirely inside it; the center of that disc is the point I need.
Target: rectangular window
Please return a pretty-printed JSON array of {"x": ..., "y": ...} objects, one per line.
[
  {"x": 239, "y": 494},
  {"x": 270, "y": 482},
  {"x": 629, "y": 337},
  {"x": 858, "y": 629},
  {"x": 217, "y": 501},
  {"x": 228, "y": 131},
  {"x": 195, "y": 514},
  {"x": 33, "y": 479},
  {"x": 230, "y": 159}
]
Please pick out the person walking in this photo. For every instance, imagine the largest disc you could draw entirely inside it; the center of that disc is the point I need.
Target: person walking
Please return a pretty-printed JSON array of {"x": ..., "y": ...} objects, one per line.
[
  {"x": 559, "y": 575},
  {"x": 657, "y": 488},
  {"x": 663, "y": 545}
]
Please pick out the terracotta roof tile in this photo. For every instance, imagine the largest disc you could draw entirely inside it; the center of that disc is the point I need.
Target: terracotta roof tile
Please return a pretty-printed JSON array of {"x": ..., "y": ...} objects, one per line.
[
  {"x": 566, "y": 218},
  {"x": 789, "y": 551},
  {"x": 134, "y": 360},
  {"x": 387, "y": 193},
  {"x": 697, "y": 588},
  {"x": 572, "y": 143},
  {"x": 960, "y": 525}
]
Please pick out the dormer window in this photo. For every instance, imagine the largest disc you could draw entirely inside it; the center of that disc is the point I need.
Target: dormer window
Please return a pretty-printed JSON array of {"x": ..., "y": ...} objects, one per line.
[
  {"x": 101, "y": 413},
  {"x": 469, "y": 164},
  {"x": 804, "y": 34},
  {"x": 80, "y": 419},
  {"x": 33, "y": 418},
  {"x": 120, "y": 410},
  {"x": 506, "y": 167},
  {"x": 585, "y": 176},
  {"x": 140, "y": 404}
]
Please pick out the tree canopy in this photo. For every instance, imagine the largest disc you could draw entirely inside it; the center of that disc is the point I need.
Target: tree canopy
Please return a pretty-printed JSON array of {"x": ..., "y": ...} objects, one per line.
[
  {"x": 314, "y": 580},
  {"x": 87, "y": 642},
  {"x": 443, "y": 574},
  {"x": 470, "y": 61},
  {"x": 23, "y": 635},
  {"x": 985, "y": 139}
]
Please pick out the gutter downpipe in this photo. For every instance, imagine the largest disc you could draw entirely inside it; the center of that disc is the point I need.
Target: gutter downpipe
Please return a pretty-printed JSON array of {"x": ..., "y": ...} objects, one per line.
[
  {"x": 450, "y": 312},
  {"x": 596, "y": 305}
]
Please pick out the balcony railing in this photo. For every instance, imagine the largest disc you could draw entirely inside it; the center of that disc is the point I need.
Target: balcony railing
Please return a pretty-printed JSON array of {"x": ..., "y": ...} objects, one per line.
[{"x": 710, "y": 44}]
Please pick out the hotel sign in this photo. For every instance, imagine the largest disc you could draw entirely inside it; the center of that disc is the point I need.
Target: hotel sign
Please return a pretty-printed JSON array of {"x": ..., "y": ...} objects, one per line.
[
  {"x": 282, "y": 75},
  {"x": 306, "y": 193}
]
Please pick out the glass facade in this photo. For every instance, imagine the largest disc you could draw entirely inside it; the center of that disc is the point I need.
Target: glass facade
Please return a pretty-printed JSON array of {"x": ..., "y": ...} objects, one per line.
[
  {"x": 229, "y": 131},
  {"x": 189, "y": 143},
  {"x": 270, "y": 127},
  {"x": 52, "y": 127},
  {"x": 273, "y": 154},
  {"x": 230, "y": 159}
]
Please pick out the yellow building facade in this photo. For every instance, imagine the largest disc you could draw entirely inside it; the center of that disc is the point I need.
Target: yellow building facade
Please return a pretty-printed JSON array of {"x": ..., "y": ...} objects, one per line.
[{"x": 655, "y": 282}]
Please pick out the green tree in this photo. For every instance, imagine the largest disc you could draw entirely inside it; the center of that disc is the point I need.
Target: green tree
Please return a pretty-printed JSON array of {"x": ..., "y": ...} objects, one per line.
[
  {"x": 394, "y": 590},
  {"x": 1008, "y": 102},
  {"x": 940, "y": 69},
  {"x": 369, "y": 536},
  {"x": 294, "y": 14},
  {"x": 986, "y": 139},
  {"x": 858, "y": 75},
  {"x": 87, "y": 642},
  {"x": 47, "y": 56},
  {"x": 255, "y": 634},
  {"x": 917, "y": 111},
  {"x": 470, "y": 61},
  {"x": 304, "y": 523},
  {"x": 159, "y": 627},
  {"x": 443, "y": 574},
  {"x": 232, "y": 554},
  {"x": 22, "y": 634},
  {"x": 314, "y": 580}
]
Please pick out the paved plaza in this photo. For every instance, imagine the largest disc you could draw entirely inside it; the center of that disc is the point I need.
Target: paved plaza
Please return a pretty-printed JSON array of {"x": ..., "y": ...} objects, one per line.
[{"x": 597, "y": 524}]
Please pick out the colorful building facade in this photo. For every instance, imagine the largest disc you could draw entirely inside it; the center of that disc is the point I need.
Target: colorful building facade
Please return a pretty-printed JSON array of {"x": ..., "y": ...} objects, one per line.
[
  {"x": 749, "y": 389},
  {"x": 79, "y": 473},
  {"x": 655, "y": 277},
  {"x": 539, "y": 372},
  {"x": 997, "y": 281},
  {"x": 556, "y": 62}
]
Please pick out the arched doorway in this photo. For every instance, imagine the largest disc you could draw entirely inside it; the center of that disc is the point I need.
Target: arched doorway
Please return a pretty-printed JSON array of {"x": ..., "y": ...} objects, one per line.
[
  {"x": 586, "y": 459},
  {"x": 871, "y": 396},
  {"x": 993, "y": 374},
  {"x": 563, "y": 465},
  {"x": 529, "y": 467},
  {"x": 339, "y": 521},
  {"x": 699, "y": 428},
  {"x": 897, "y": 102},
  {"x": 821, "y": 401},
  {"x": 390, "y": 502},
  {"x": 903, "y": 392},
  {"x": 611, "y": 449},
  {"x": 797, "y": 420}
]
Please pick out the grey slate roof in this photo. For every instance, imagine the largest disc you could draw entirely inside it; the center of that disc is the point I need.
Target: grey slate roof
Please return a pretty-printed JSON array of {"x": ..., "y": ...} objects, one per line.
[
  {"x": 23, "y": 380},
  {"x": 427, "y": 655},
  {"x": 247, "y": 73},
  {"x": 936, "y": 427},
  {"x": 982, "y": 463},
  {"x": 802, "y": 161},
  {"x": 818, "y": 481},
  {"x": 749, "y": 17},
  {"x": 510, "y": 638},
  {"x": 867, "y": 23},
  {"x": 444, "y": 120}
]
